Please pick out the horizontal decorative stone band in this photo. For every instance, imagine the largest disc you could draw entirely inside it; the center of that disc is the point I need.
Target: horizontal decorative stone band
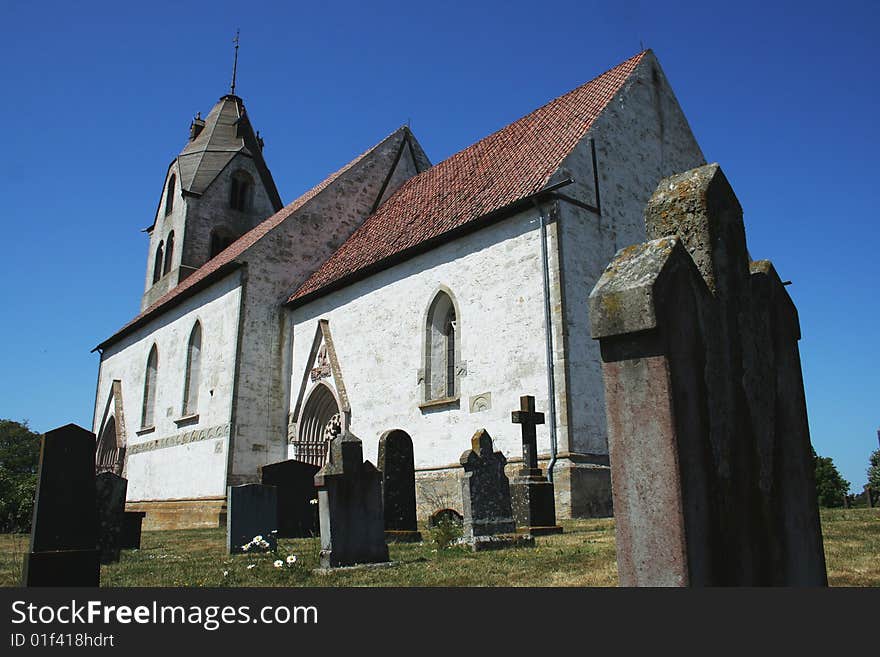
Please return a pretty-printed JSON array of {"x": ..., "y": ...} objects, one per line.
[{"x": 184, "y": 438}]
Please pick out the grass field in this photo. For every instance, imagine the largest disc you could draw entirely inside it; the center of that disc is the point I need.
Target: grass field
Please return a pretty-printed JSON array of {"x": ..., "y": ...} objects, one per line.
[{"x": 582, "y": 556}]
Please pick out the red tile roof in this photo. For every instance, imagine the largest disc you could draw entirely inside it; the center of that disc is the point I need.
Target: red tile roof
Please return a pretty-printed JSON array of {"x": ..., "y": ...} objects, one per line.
[
  {"x": 505, "y": 167},
  {"x": 226, "y": 258}
]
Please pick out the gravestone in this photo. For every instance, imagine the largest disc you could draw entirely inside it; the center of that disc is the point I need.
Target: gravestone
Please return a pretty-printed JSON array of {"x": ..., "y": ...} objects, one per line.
[
  {"x": 64, "y": 531},
  {"x": 531, "y": 493},
  {"x": 397, "y": 464},
  {"x": 485, "y": 492},
  {"x": 350, "y": 506},
  {"x": 132, "y": 522},
  {"x": 252, "y": 511},
  {"x": 445, "y": 515},
  {"x": 297, "y": 498},
  {"x": 110, "y": 491},
  {"x": 711, "y": 464}
]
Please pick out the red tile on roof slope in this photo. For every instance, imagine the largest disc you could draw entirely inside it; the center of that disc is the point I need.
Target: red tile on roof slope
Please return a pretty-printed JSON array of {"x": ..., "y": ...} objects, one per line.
[
  {"x": 493, "y": 173},
  {"x": 243, "y": 243}
]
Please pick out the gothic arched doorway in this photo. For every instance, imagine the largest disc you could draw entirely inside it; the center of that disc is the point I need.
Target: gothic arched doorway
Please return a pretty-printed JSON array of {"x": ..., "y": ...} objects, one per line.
[
  {"x": 320, "y": 421},
  {"x": 109, "y": 457},
  {"x": 397, "y": 463}
]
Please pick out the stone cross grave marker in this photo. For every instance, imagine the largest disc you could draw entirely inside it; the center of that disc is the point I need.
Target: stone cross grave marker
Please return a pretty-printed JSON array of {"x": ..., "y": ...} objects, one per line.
[
  {"x": 711, "y": 466},
  {"x": 350, "y": 506},
  {"x": 110, "y": 491},
  {"x": 295, "y": 482},
  {"x": 534, "y": 507},
  {"x": 64, "y": 532},
  {"x": 252, "y": 511}
]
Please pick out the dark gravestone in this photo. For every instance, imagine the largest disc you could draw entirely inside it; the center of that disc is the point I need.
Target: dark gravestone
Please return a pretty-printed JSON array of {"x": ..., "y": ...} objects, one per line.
[
  {"x": 64, "y": 530},
  {"x": 445, "y": 516},
  {"x": 350, "y": 506},
  {"x": 110, "y": 499},
  {"x": 252, "y": 511},
  {"x": 132, "y": 522},
  {"x": 397, "y": 465},
  {"x": 534, "y": 506},
  {"x": 711, "y": 462},
  {"x": 297, "y": 497},
  {"x": 485, "y": 489}
]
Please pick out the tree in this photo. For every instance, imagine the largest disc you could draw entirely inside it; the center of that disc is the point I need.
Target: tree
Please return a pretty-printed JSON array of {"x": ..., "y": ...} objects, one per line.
[
  {"x": 19, "y": 458},
  {"x": 831, "y": 488},
  {"x": 874, "y": 475}
]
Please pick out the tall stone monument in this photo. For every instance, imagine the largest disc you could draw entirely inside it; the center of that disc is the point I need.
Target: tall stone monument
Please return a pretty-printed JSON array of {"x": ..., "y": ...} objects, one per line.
[
  {"x": 110, "y": 492},
  {"x": 531, "y": 493},
  {"x": 396, "y": 462},
  {"x": 295, "y": 483},
  {"x": 64, "y": 532},
  {"x": 252, "y": 511},
  {"x": 707, "y": 426},
  {"x": 350, "y": 506}
]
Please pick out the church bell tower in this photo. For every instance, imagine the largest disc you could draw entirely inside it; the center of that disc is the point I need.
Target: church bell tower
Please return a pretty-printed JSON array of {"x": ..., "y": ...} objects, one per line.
[{"x": 215, "y": 191}]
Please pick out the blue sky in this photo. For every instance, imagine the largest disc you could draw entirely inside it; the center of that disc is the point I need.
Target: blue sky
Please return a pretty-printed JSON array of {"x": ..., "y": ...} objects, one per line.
[{"x": 98, "y": 97}]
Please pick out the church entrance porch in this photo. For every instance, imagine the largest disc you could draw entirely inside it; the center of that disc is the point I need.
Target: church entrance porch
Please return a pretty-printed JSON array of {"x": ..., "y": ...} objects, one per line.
[{"x": 321, "y": 420}]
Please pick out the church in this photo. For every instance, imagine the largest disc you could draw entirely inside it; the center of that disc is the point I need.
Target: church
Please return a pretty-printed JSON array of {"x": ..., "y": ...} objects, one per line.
[{"x": 395, "y": 295}]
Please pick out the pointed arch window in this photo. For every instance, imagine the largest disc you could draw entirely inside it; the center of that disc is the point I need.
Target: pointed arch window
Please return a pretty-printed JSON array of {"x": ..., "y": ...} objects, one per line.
[
  {"x": 152, "y": 371},
  {"x": 157, "y": 263},
  {"x": 169, "y": 195},
  {"x": 442, "y": 347},
  {"x": 192, "y": 379},
  {"x": 240, "y": 190},
  {"x": 220, "y": 239},
  {"x": 169, "y": 252}
]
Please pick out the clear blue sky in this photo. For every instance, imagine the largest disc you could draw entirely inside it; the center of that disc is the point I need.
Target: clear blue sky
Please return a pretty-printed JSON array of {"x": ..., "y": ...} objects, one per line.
[{"x": 98, "y": 97}]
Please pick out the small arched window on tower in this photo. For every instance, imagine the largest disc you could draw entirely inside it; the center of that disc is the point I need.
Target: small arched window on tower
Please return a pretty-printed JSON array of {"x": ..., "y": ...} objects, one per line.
[
  {"x": 147, "y": 416},
  {"x": 442, "y": 347},
  {"x": 241, "y": 188},
  {"x": 169, "y": 252},
  {"x": 220, "y": 239},
  {"x": 169, "y": 195},
  {"x": 193, "y": 371},
  {"x": 157, "y": 263}
]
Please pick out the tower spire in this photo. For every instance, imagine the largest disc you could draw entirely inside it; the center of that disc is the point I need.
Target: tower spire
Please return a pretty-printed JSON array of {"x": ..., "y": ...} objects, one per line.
[{"x": 234, "y": 63}]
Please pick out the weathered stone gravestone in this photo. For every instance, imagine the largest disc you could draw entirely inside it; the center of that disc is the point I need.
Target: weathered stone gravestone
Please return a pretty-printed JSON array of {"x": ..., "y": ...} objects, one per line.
[
  {"x": 350, "y": 506},
  {"x": 711, "y": 463},
  {"x": 445, "y": 516},
  {"x": 64, "y": 531},
  {"x": 534, "y": 506},
  {"x": 110, "y": 499},
  {"x": 252, "y": 511},
  {"x": 297, "y": 498},
  {"x": 397, "y": 465},
  {"x": 485, "y": 492},
  {"x": 132, "y": 522}
]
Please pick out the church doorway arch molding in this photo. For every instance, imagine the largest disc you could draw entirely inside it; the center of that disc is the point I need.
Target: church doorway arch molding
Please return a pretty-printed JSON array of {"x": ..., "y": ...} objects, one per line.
[
  {"x": 110, "y": 457},
  {"x": 321, "y": 419}
]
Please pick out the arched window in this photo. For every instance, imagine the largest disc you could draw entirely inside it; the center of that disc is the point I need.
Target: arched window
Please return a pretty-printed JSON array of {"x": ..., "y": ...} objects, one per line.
[
  {"x": 240, "y": 189},
  {"x": 220, "y": 239},
  {"x": 150, "y": 388},
  {"x": 441, "y": 349},
  {"x": 169, "y": 252},
  {"x": 169, "y": 195},
  {"x": 193, "y": 371},
  {"x": 157, "y": 263}
]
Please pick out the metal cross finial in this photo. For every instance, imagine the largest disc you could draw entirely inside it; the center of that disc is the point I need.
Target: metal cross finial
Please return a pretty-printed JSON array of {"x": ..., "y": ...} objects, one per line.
[{"x": 234, "y": 63}]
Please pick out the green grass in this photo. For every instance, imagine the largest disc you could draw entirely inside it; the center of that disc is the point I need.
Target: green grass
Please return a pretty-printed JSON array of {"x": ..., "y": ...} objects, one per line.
[{"x": 582, "y": 556}]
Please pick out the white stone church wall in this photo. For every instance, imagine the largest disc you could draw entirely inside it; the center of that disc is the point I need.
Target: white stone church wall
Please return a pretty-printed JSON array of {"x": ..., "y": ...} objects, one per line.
[
  {"x": 177, "y": 460},
  {"x": 378, "y": 327}
]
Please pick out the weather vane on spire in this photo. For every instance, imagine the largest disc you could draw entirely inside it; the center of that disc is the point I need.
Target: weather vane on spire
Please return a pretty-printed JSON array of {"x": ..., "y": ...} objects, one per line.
[{"x": 234, "y": 63}]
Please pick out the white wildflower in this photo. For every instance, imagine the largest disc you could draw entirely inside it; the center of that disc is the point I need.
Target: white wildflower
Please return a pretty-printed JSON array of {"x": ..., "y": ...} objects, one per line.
[
  {"x": 225, "y": 573},
  {"x": 313, "y": 501},
  {"x": 278, "y": 563},
  {"x": 291, "y": 559}
]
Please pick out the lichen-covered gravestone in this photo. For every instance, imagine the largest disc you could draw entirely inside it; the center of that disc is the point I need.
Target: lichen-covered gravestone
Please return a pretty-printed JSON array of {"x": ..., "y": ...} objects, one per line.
[
  {"x": 534, "y": 506},
  {"x": 485, "y": 492},
  {"x": 711, "y": 462},
  {"x": 350, "y": 506},
  {"x": 295, "y": 482},
  {"x": 64, "y": 531},
  {"x": 397, "y": 465},
  {"x": 110, "y": 491},
  {"x": 252, "y": 511}
]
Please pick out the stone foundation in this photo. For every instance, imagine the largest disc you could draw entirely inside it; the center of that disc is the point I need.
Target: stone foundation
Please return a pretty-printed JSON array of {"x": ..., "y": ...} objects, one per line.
[
  {"x": 181, "y": 514},
  {"x": 583, "y": 487}
]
